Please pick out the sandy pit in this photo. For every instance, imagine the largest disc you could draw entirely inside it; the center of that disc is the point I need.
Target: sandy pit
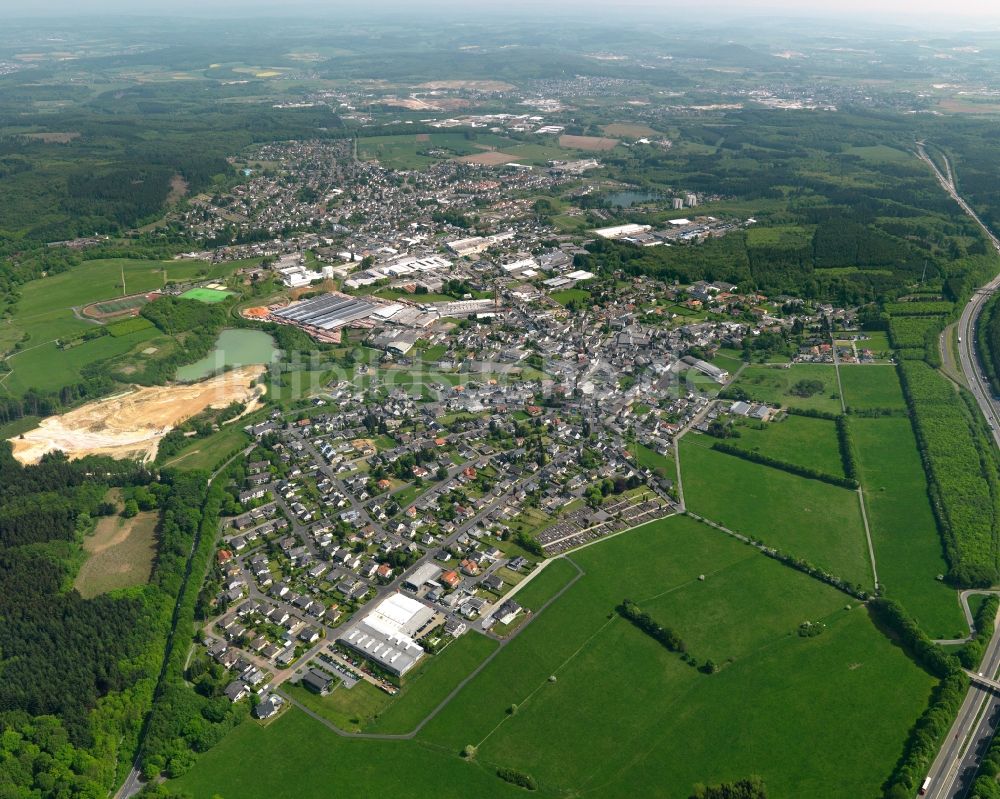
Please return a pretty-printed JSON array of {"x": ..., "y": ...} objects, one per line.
[{"x": 130, "y": 425}]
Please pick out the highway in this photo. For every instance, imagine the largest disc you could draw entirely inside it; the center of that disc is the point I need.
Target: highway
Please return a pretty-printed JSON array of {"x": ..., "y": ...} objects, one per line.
[{"x": 955, "y": 766}]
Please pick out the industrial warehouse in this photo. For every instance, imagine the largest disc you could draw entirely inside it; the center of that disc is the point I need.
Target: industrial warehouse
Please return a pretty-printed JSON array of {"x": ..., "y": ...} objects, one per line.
[
  {"x": 386, "y": 635},
  {"x": 323, "y": 316}
]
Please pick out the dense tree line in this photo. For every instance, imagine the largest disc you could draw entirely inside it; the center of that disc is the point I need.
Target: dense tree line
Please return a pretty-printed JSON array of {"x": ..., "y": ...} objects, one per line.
[
  {"x": 749, "y": 788},
  {"x": 892, "y": 617},
  {"x": 185, "y": 721},
  {"x": 988, "y": 341},
  {"x": 926, "y": 735},
  {"x": 518, "y": 778},
  {"x": 847, "y": 453},
  {"x": 662, "y": 635},
  {"x": 793, "y": 468},
  {"x": 984, "y": 625},
  {"x": 961, "y": 476}
]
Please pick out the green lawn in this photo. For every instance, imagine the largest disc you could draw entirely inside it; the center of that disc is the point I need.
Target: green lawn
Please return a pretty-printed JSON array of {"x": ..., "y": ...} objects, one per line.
[
  {"x": 427, "y": 688},
  {"x": 626, "y": 718},
  {"x": 650, "y": 459},
  {"x": 570, "y": 295},
  {"x": 297, "y": 756},
  {"x": 907, "y": 544},
  {"x": 772, "y": 384},
  {"x": 807, "y": 518},
  {"x": 797, "y": 439},
  {"x": 867, "y": 387}
]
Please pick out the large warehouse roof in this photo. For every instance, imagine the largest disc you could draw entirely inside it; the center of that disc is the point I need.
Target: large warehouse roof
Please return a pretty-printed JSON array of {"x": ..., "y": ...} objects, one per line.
[
  {"x": 327, "y": 312},
  {"x": 385, "y": 634}
]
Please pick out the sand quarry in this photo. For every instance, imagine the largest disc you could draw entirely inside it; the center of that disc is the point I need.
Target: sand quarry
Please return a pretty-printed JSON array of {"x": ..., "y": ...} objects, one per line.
[{"x": 130, "y": 425}]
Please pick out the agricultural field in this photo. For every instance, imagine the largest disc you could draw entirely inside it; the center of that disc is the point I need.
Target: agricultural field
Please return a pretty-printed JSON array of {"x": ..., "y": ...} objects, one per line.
[
  {"x": 410, "y": 151},
  {"x": 47, "y": 367},
  {"x": 773, "y": 384},
  {"x": 808, "y": 518},
  {"x": 797, "y": 439},
  {"x": 629, "y": 130},
  {"x": 869, "y": 387},
  {"x": 675, "y": 724},
  {"x": 120, "y": 554},
  {"x": 907, "y": 544},
  {"x": 595, "y": 143}
]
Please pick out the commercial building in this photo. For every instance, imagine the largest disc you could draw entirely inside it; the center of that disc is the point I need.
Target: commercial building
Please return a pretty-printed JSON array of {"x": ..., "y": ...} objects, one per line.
[
  {"x": 385, "y": 636},
  {"x": 619, "y": 231},
  {"x": 325, "y": 314}
]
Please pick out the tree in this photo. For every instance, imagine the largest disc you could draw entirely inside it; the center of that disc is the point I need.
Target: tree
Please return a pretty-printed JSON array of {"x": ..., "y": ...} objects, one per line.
[{"x": 131, "y": 509}]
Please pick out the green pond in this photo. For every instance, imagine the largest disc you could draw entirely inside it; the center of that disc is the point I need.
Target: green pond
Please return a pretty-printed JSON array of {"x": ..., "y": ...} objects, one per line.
[{"x": 233, "y": 348}]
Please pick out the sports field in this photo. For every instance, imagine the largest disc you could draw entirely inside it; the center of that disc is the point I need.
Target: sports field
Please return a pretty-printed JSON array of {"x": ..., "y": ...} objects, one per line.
[
  {"x": 623, "y": 716},
  {"x": 774, "y": 384},
  {"x": 813, "y": 520},
  {"x": 206, "y": 295}
]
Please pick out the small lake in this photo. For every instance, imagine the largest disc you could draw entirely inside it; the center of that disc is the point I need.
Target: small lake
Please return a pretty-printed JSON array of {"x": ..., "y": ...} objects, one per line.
[
  {"x": 233, "y": 348},
  {"x": 626, "y": 199}
]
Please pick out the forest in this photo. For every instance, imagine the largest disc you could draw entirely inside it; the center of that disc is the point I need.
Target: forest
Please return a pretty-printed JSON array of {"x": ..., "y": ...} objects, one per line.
[{"x": 79, "y": 675}]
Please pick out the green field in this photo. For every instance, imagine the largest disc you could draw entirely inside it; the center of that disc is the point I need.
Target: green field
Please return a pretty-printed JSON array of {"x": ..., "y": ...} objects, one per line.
[
  {"x": 650, "y": 459},
  {"x": 796, "y": 439},
  {"x": 45, "y": 315},
  {"x": 907, "y": 544},
  {"x": 676, "y": 725},
  {"x": 297, "y": 756},
  {"x": 807, "y": 518},
  {"x": 205, "y": 453},
  {"x": 47, "y": 367},
  {"x": 206, "y": 295},
  {"x": 624, "y": 717},
  {"x": 772, "y": 384},
  {"x": 570, "y": 295},
  {"x": 365, "y": 708},
  {"x": 867, "y": 387}
]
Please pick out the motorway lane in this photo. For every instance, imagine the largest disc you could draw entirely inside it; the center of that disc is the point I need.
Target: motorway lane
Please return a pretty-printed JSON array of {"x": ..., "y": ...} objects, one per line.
[
  {"x": 952, "y": 771},
  {"x": 955, "y": 766}
]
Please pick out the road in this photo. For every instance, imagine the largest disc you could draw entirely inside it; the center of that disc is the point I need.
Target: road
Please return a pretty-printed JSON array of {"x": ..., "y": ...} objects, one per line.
[
  {"x": 967, "y": 323},
  {"x": 955, "y": 766}
]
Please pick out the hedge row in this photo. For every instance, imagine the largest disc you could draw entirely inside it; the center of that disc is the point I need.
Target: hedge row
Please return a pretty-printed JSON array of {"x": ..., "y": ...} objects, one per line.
[
  {"x": 890, "y": 615},
  {"x": 793, "y": 468},
  {"x": 846, "y": 443},
  {"x": 926, "y": 736},
  {"x": 663, "y": 635}
]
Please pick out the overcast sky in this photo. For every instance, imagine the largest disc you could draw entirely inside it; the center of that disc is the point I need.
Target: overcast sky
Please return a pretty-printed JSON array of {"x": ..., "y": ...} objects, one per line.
[{"x": 922, "y": 12}]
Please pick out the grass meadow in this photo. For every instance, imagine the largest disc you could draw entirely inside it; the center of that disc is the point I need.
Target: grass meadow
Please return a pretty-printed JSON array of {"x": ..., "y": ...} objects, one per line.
[
  {"x": 772, "y": 384},
  {"x": 814, "y": 520},
  {"x": 797, "y": 439}
]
